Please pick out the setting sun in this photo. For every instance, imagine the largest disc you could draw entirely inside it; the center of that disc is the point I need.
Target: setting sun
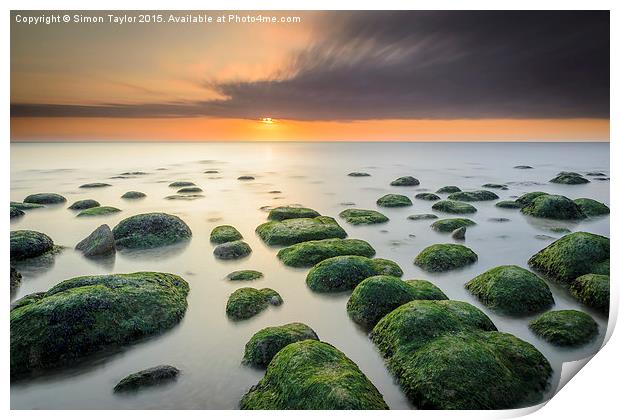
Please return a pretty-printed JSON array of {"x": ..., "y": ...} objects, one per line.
[{"x": 267, "y": 120}]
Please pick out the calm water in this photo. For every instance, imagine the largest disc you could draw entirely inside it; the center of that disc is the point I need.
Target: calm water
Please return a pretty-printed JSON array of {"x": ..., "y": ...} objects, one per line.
[{"x": 206, "y": 345}]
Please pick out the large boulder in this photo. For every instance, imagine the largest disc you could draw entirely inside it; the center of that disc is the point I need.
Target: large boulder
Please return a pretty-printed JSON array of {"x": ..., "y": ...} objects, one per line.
[
  {"x": 394, "y": 200},
  {"x": 292, "y": 231},
  {"x": 98, "y": 211},
  {"x": 480, "y": 195},
  {"x": 100, "y": 242},
  {"x": 157, "y": 375},
  {"x": 84, "y": 204},
  {"x": 569, "y": 178},
  {"x": 405, "y": 181},
  {"x": 444, "y": 257},
  {"x": 449, "y": 225},
  {"x": 29, "y": 244},
  {"x": 83, "y": 315},
  {"x": 448, "y": 189},
  {"x": 246, "y": 302},
  {"x": 266, "y": 343},
  {"x": 311, "y": 375},
  {"x": 307, "y": 254},
  {"x": 45, "y": 198},
  {"x": 592, "y": 290},
  {"x": 565, "y": 328},
  {"x": 553, "y": 207},
  {"x": 591, "y": 207},
  {"x": 290, "y": 212},
  {"x": 150, "y": 230},
  {"x": 225, "y": 233},
  {"x": 454, "y": 207},
  {"x": 232, "y": 250},
  {"x": 363, "y": 217}
]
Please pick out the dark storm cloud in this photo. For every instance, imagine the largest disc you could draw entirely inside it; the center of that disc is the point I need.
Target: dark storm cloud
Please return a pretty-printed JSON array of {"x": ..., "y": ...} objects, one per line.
[{"x": 430, "y": 65}]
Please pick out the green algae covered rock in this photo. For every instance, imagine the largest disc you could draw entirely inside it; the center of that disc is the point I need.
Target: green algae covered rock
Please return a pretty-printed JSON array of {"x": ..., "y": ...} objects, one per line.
[
  {"x": 98, "y": 211},
  {"x": 25, "y": 206},
  {"x": 448, "y": 189},
  {"x": 449, "y": 225},
  {"x": 553, "y": 207},
  {"x": 16, "y": 280},
  {"x": 244, "y": 275},
  {"x": 523, "y": 167},
  {"x": 454, "y": 207},
  {"x": 287, "y": 212},
  {"x": 572, "y": 256},
  {"x": 225, "y": 233},
  {"x": 15, "y": 212},
  {"x": 292, "y": 231},
  {"x": 95, "y": 185},
  {"x": 232, "y": 250},
  {"x": 157, "y": 375},
  {"x": 443, "y": 257},
  {"x": 591, "y": 207},
  {"x": 496, "y": 186},
  {"x": 565, "y": 328},
  {"x": 29, "y": 244},
  {"x": 592, "y": 290},
  {"x": 345, "y": 272},
  {"x": 528, "y": 198},
  {"x": 133, "y": 195},
  {"x": 427, "y": 196},
  {"x": 569, "y": 178},
  {"x": 99, "y": 242},
  {"x": 45, "y": 198},
  {"x": 311, "y": 375},
  {"x": 394, "y": 200},
  {"x": 512, "y": 290},
  {"x": 307, "y": 254},
  {"x": 363, "y": 217},
  {"x": 358, "y": 174},
  {"x": 178, "y": 184},
  {"x": 150, "y": 230},
  {"x": 508, "y": 204},
  {"x": 246, "y": 302},
  {"x": 480, "y": 195},
  {"x": 446, "y": 353},
  {"x": 86, "y": 314},
  {"x": 426, "y": 216},
  {"x": 84, "y": 204},
  {"x": 189, "y": 190},
  {"x": 377, "y": 296},
  {"x": 266, "y": 343},
  {"x": 405, "y": 181}
]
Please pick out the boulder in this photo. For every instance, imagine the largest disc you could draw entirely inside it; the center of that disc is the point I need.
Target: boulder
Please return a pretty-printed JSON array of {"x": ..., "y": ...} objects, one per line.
[
  {"x": 480, "y": 195},
  {"x": 426, "y": 216},
  {"x": 179, "y": 184},
  {"x": 592, "y": 290},
  {"x": 394, "y": 200},
  {"x": 363, "y": 217},
  {"x": 289, "y": 212},
  {"x": 454, "y": 207},
  {"x": 449, "y": 225},
  {"x": 569, "y": 178},
  {"x": 157, "y": 375},
  {"x": 405, "y": 181},
  {"x": 591, "y": 207},
  {"x": 244, "y": 275},
  {"x": 132, "y": 195},
  {"x": 523, "y": 167},
  {"x": 444, "y": 257},
  {"x": 266, "y": 343},
  {"x": 225, "y": 233},
  {"x": 508, "y": 204},
  {"x": 99, "y": 242},
  {"x": 25, "y": 206},
  {"x": 307, "y": 254},
  {"x": 16, "y": 280},
  {"x": 528, "y": 198},
  {"x": 358, "y": 174},
  {"x": 232, "y": 250},
  {"x": 292, "y": 231},
  {"x": 565, "y": 327},
  {"x": 459, "y": 233},
  {"x": 84, "y": 204},
  {"x": 95, "y": 185},
  {"x": 98, "y": 211},
  {"x": 15, "y": 212},
  {"x": 496, "y": 186},
  {"x": 246, "y": 302},
  {"x": 427, "y": 196},
  {"x": 448, "y": 189},
  {"x": 189, "y": 190},
  {"x": 29, "y": 244},
  {"x": 246, "y": 178},
  {"x": 45, "y": 198},
  {"x": 150, "y": 230},
  {"x": 553, "y": 207}
]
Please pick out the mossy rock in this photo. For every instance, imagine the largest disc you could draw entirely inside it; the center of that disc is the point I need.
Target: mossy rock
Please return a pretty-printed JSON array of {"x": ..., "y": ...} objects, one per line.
[
  {"x": 394, "y": 200},
  {"x": 15, "y": 212},
  {"x": 448, "y": 189},
  {"x": 444, "y": 354},
  {"x": 596, "y": 173},
  {"x": 225, "y": 233},
  {"x": 150, "y": 230},
  {"x": 98, "y": 211},
  {"x": 246, "y": 302},
  {"x": 244, "y": 275},
  {"x": 232, "y": 250},
  {"x": 292, "y": 231},
  {"x": 427, "y": 196},
  {"x": 358, "y": 174},
  {"x": 45, "y": 198},
  {"x": 154, "y": 376},
  {"x": 569, "y": 178},
  {"x": 287, "y": 212},
  {"x": 29, "y": 244},
  {"x": 363, "y": 217},
  {"x": 528, "y": 198},
  {"x": 508, "y": 204},
  {"x": 266, "y": 343},
  {"x": 591, "y": 207},
  {"x": 553, "y": 207},
  {"x": 84, "y": 204},
  {"x": 342, "y": 273},
  {"x": 179, "y": 184},
  {"x": 377, "y": 296},
  {"x": 523, "y": 167},
  {"x": 444, "y": 257},
  {"x": 572, "y": 256},
  {"x": 26, "y": 206},
  {"x": 425, "y": 216},
  {"x": 189, "y": 190},
  {"x": 83, "y": 315},
  {"x": 246, "y": 178},
  {"x": 133, "y": 195},
  {"x": 16, "y": 280},
  {"x": 184, "y": 197},
  {"x": 565, "y": 328},
  {"x": 307, "y": 254},
  {"x": 454, "y": 207},
  {"x": 405, "y": 181},
  {"x": 592, "y": 290},
  {"x": 511, "y": 290},
  {"x": 496, "y": 186},
  {"x": 95, "y": 185},
  {"x": 99, "y": 242},
  {"x": 480, "y": 195},
  {"x": 449, "y": 225},
  {"x": 311, "y": 375}
]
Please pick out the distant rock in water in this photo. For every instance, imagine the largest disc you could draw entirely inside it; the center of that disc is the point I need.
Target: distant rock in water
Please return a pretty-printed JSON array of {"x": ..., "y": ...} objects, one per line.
[
  {"x": 15, "y": 212},
  {"x": 358, "y": 174},
  {"x": 244, "y": 275},
  {"x": 189, "y": 190},
  {"x": 596, "y": 174},
  {"x": 427, "y": 196},
  {"x": 569, "y": 178},
  {"x": 95, "y": 185},
  {"x": 292, "y": 212},
  {"x": 508, "y": 204},
  {"x": 363, "y": 217},
  {"x": 232, "y": 250},
  {"x": 454, "y": 207},
  {"x": 84, "y": 204},
  {"x": 132, "y": 195},
  {"x": 523, "y": 167},
  {"x": 184, "y": 197},
  {"x": 426, "y": 216},
  {"x": 45, "y": 198},
  {"x": 480, "y": 195},
  {"x": 211, "y": 171},
  {"x": 496, "y": 186},
  {"x": 225, "y": 233},
  {"x": 405, "y": 181},
  {"x": 394, "y": 200},
  {"x": 99, "y": 242},
  {"x": 246, "y": 302},
  {"x": 178, "y": 184},
  {"x": 246, "y": 178},
  {"x": 98, "y": 211},
  {"x": 449, "y": 225},
  {"x": 449, "y": 189},
  {"x": 553, "y": 207},
  {"x": 150, "y": 230},
  {"x": 157, "y": 375}
]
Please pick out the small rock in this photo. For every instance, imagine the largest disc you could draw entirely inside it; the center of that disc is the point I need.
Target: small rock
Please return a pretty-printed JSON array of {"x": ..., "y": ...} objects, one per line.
[
  {"x": 95, "y": 185},
  {"x": 232, "y": 250},
  {"x": 99, "y": 242},
  {"x": 149, "y": 377},
  {"x": 459, "y": 233},
  {"x": 84, "y": 204}
]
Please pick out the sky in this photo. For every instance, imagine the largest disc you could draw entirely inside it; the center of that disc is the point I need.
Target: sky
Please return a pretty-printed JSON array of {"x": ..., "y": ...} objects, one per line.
[{"x": 332, "y": 76}]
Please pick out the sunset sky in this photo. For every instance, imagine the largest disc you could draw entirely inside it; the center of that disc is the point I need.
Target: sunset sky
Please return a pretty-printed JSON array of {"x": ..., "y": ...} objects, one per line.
[{"x": 406, "y": 76}]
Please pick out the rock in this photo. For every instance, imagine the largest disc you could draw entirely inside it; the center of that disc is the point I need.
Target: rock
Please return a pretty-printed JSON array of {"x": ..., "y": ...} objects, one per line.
[
  {"x": 98, "y": 211},
  {"x": 496, "y": 186},
  {"x": 84, "y": 204},
  {"x": 511, "y": 290},
  {"x": 134, "y": 173},
  {"x": 150, "y": 230},
  {"x": 29, "y": 244},
  {"x": 246, "y": 302},
  {"x": 528, "y": 198},
  {"x": 178, "y": 184},
  {"x": 132, "y": 195},
  {"x": 426, "y": 216},
  {"x": 245, "y": 178},
  {"x": 558, "y": 229},
  {"x": 287, "y": 212},
  {"x": 292, "y": 231},
  {"x": 311, "y": 375},
  {"x": 189, "y": 190},
  {"x": 16, "y": 280},
  {"x": 45, "y": 198},
  {"x": 358, "y": 174},
  {"x": 266, "y": 343},
  {"x": 443, "y": 257},
  {"x": 211, "y": 171},
  {"x": 499, "y": 219},
  {"x": 592, "y": 290},
  {"x": 508, "y": 204},
  {"x": 15, "y": 212},
  {"x": 448, "y": 189},
  {"x": 405, "y": 181},
  {"x": 377, "y": 296},
  {"x": 569, "y": 178},
  {"x": 449, "y": 225},
  {"x": 363, "y": 217},
  {"x": 553, "y": 207},
  {"x": 274, "y": 192},
  {"x": 342, "y": 273},
  {"x": 602, "y": 178},
  {"x": 454, "y": 207},
  {"x": 157, "y": 375},
  {"x": 523, "y": 167},
  {"x": 591, "y": 207},
  {"x": 100, "y": 242},
  {"x": 544, "y": 237},
  {"x": 596, "y": 174},
  {"x": 84, "y": 315},
  {"x": 459, "y": 233},
  {"x": 25, "y": 206},
  {"x": 232, "y": 250},
  {"x": 95, "y": 185},
  {"x": 445, "y": 354},
  {"x": 480, "y": 195},
  {"x": 565, "y": 328},
  {"x": 184, "y": 197},
  {"x": 225, "y": 233},
  {"x": 394, "y": 200},
  {"x": 572, "y": 256},
  {"x": 307, "y": 254},
  {"x": 427, "y": 196},
  {"x": 244, "y": 275}
]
